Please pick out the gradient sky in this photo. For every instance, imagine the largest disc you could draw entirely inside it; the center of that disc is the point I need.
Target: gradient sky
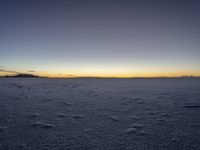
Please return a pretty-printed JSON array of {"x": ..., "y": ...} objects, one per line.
[{"x": 118, "y": 38}]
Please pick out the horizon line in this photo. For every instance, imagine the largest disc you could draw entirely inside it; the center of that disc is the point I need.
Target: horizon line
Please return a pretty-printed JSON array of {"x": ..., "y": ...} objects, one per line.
[{"x": 71, "y": 77}]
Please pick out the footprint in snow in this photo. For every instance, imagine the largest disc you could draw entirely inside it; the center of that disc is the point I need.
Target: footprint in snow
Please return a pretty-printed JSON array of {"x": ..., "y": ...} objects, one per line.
[
  {"x": 34, "y": 115},
  {"x": 134, "y": 117},
  {"x": 113, "y": 118},
  {"x": 137, "y": 126},
  {"x": 65, "y": 103},
  {"x": 131, "y": 131},
  {"x": 77, "y": 116},
  {"x": 140, "y": 102},
  {"x": 62, "y": 115},
  {"x": 165, "y": 115},
  {"x": 153, "y": 112},
  {"x": 142, "y": 133},
  {"x": 47, "y": 125},
  {"x": 42, "y": 125}
]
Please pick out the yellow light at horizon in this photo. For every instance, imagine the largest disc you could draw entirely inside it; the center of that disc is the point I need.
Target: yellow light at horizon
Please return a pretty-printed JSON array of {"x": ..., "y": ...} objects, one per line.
[
  {"x": 123, "y": 72},
  {"x": 118, "y": 74}
]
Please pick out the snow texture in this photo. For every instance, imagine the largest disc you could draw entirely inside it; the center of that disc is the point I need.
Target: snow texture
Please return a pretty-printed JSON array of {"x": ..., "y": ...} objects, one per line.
[{"x": 99, "y": 114}]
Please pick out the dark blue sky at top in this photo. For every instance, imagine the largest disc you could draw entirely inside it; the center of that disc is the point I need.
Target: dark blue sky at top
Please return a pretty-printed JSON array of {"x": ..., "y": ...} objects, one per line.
[{"x": 89, "y": 35}]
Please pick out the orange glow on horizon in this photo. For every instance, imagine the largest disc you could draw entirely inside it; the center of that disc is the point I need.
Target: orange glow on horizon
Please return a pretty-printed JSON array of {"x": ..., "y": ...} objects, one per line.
[
  {"x": 120, "y": 75},
  {"x": 107, "y": 72}
]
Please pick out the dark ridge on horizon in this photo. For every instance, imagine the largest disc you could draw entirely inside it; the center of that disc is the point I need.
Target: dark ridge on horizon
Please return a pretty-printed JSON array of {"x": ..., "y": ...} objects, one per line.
[{"x": 23, "y": 75}]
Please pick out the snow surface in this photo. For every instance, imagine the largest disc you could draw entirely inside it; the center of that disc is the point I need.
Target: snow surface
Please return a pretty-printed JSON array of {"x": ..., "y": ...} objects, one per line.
[{"x": 99, "y": 114}]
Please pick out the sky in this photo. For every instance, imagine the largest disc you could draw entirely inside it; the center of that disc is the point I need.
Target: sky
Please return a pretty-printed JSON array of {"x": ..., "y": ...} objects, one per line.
[{"x": 104, "y": 38}]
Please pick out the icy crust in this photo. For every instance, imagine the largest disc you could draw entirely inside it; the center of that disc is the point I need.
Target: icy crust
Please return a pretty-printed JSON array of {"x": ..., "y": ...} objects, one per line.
[{"x": 99, "y": 114}]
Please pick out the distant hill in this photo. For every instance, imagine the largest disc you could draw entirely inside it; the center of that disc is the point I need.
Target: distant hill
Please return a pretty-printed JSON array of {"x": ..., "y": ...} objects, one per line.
[{"x": 22, "y": 75}]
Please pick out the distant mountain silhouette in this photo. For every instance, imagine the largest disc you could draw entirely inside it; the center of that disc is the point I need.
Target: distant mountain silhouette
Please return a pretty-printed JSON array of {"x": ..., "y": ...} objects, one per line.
[{"x": 22, "y": 75}]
